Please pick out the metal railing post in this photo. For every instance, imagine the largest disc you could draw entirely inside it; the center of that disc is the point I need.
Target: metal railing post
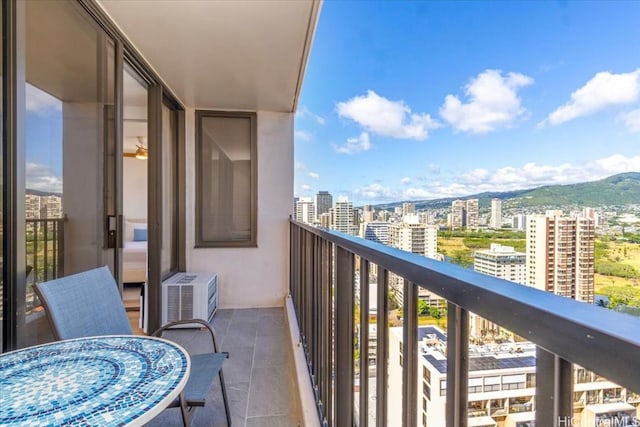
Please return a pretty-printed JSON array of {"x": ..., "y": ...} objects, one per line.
[
  {"x": 410, "y": 355},
  {"x": 364, "y": 343},
  {"x": 344, "y": 337},
  {"x": 382, "y": 350},
  {"x": 554, "y": 390},
  {"x": 457, "y": 365}
]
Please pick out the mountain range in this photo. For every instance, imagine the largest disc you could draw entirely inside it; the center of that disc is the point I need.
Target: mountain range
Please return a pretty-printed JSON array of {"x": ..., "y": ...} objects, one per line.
[{"x": 617, "y": 190}]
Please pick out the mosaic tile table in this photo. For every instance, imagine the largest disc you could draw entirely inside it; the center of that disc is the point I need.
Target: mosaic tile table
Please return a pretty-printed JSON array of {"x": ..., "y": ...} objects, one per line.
[{"x": 108, "y": 381}]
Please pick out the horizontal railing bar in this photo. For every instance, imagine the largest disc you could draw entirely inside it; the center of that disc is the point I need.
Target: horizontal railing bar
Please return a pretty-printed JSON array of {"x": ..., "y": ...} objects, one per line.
[{"x": 601, "y": 340}]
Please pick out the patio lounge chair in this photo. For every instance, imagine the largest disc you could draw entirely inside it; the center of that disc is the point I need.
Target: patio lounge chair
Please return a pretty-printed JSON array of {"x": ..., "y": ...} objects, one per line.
[{"x": 89, "y": 304}]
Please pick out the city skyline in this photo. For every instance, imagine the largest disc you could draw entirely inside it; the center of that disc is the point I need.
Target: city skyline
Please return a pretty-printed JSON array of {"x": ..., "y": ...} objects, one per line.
[{"x": 517, "y": 95}]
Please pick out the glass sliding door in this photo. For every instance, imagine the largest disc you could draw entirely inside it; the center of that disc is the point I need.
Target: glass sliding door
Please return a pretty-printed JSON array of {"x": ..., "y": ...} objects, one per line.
[
  {"x": 69, "y": 101},
  {"x": 134, "y": 191},
  {"x": 2, "y": 187},
  {"x": 169, "y": 229}
]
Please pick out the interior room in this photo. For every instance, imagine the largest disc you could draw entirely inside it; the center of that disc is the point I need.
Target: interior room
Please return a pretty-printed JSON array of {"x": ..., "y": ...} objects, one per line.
[{"x": 134, "y": 195}]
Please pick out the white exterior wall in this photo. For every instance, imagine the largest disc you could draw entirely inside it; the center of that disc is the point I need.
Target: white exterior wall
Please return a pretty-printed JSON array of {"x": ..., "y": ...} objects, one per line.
[
  {"x": 431, "y": 241},
  {"x": 496, "y": 213},
  {"x": 265, "y": 282},
  {"x": 394, "y": 391},
  {"x": 537, "y": 249}
]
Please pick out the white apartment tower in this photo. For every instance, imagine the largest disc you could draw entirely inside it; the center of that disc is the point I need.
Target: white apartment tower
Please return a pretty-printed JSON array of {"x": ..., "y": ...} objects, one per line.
[
  {"x": 464, "y": 213},
  {"x": 43, "y": 206},
  {"x": 412, "y": 236},
  {"x": 560, "y": 255},
  {"x": 471, "y": 213},
  {"x": 496, "y": 213},
  {"x": 457, "y": 214},
  {"x": 342, "y": 219},
  {"x": 324, "y": 202},
  {"x": 499, "y": 261},
  {"x": 377, "y": 231},
  {"x": 305, "y": 210}
]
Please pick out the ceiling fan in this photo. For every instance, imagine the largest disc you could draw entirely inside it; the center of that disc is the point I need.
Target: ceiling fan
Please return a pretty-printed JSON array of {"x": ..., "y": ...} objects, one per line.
[{"x": 141, "y": 151}]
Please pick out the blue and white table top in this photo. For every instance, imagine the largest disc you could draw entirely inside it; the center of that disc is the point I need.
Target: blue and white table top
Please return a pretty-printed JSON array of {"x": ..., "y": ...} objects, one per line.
[{"x": 111, "y": 380}]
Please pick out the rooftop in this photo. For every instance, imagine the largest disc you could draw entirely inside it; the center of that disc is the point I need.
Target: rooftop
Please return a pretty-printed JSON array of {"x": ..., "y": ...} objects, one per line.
[{"x": 433, "y": 344}]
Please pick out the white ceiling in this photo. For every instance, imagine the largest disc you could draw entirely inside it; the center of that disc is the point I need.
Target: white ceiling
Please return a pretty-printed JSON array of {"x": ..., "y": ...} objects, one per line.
[{"x": 223, "y": 54}]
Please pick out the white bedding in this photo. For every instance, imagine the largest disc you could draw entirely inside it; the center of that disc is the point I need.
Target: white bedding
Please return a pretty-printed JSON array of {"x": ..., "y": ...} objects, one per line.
[{"x": 134, "y": 257}]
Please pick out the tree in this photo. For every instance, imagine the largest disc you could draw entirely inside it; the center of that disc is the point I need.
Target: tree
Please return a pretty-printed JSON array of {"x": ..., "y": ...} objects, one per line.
[
  {"x": 435, "y": 312},
  {"x": 423, "y": 308}
]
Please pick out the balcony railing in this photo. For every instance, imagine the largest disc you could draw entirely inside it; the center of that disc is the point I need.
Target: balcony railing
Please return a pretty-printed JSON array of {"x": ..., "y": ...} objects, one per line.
[
  {"x": 323, "y": 286},
  {"x": 45, "y": 253}
]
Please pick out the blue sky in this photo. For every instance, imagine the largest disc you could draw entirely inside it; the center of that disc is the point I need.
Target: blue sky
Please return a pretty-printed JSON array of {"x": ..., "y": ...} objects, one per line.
[{"x": 424, "y": 99}]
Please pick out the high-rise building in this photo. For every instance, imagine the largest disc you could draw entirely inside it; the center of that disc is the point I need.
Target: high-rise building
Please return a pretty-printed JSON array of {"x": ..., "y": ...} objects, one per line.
[
  {"x": 560, "y": 255},
  {"x": 343, "y": 216},
  {"x": 496, "y": 213},
  {"x": 305, "y": 210},
  {"x": 408, "y": 236},
  {"x": 324, "y": 202},
  {"x": 471, "y": 213},
  {"x": 500, "y": 387},
  {"x": 383, "y": 216},
  {"x": 501, "y": 261},
  {"x": 31, "y": 206},
  {"x": 43, "y": 206},
  {"x": 457, "y": 214},
  {"x": 520, "y": 222},
  {"x": 412, "y": 236},
  {"x": 408, "y": 208},
  {"x": 464, "y": 213},
  {"x": 377, "y": 231},
  {"x": 368, "y": 214},
  {"x": 325, "y": 219},
  {"x": 497, "y": 261}
]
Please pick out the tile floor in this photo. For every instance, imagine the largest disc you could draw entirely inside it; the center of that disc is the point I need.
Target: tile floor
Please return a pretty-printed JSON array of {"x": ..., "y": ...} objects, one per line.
[{"x": 259, "y": 373}]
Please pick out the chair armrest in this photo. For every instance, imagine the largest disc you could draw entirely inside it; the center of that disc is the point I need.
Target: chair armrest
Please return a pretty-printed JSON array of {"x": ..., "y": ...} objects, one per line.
[{"x": 172, "y": 325}]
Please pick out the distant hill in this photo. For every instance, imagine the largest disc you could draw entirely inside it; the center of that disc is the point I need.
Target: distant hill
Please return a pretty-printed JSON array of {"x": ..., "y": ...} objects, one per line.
[
  {"x": 42, "y": 193},
  {"x": 617, "y": 190}
]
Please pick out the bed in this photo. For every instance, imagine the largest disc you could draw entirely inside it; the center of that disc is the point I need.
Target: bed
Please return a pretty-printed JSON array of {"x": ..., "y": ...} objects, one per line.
[{"x": 134, "y": 252}]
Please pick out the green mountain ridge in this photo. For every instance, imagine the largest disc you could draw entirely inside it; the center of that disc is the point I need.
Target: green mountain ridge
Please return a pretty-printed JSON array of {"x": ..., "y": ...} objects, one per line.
[{"x": 617, "y": 190}]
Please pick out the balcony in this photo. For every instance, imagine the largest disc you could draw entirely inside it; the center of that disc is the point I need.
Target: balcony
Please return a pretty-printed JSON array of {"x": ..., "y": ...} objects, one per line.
[
  {"x": 326, "y": 301},
  {"x": 258, "y": 374}
]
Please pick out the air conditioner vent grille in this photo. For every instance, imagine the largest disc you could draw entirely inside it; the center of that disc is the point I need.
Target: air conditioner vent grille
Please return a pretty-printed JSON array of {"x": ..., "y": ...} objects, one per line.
[{"x": 189, "y": 296}]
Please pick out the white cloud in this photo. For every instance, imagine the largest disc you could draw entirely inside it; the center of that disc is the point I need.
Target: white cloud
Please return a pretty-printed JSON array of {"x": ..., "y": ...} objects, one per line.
[
  {"x": 632, "y": 120},
  {"x": 507, "y": 178},
  {"x": 302, "y": 135},
  {"x": 387, "y": 118},
  {"x": 354, "y": 145},
  {"x": 604, "y": 90},
  {"x": 41, "y": 177},
  {"x": 305, "y": 187},
  {"x": 41, "y": 102},
  {"x": 305, "y": 112},
  {"x": 406, "y": 180},
  {"x": 313, "y": 175},
  {"x": 493, "y": 103},
  {"x": 434, "y": 169},
  {"x": 532, "y": 175},
  {"x": 376, "y": 192}
]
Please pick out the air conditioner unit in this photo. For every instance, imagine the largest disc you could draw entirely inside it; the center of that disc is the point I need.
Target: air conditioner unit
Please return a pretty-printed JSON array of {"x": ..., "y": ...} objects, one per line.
[{"x": 189, "y": 296}]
